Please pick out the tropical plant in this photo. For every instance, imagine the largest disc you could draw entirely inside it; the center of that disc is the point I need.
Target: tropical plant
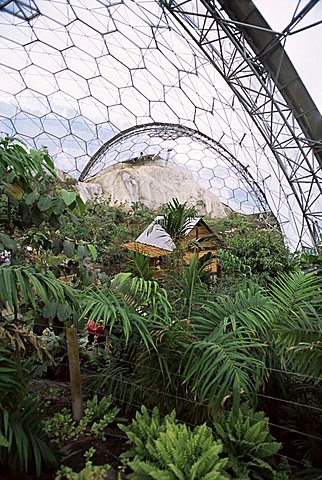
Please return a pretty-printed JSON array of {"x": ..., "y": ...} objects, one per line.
[
  {"x": 247, "y": 442},
  {"x": 167, "y": 450},
  {"x": 228, "y": 355},
  {"x": 22, "y": 285},
  {"x": 105, "y": 304},
  {"x": 25, "y": 445},
  {"x": 29, "y": 194},
  {"x": 256, "y": 242},
  {"x": 176, "y": 219},
  {"x": 89, "y": 472},
  {"x": 139, "y": 265},
  {"x": 98, "y": 414},
  {"x": 298, "y": 324}
]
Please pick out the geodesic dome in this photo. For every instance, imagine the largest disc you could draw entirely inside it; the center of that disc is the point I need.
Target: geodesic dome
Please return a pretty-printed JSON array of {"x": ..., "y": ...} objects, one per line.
[{"x": 206, "y": 84}]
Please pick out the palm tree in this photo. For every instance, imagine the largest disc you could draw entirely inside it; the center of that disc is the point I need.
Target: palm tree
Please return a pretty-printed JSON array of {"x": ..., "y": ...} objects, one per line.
[{"x": 176, "y": 219}]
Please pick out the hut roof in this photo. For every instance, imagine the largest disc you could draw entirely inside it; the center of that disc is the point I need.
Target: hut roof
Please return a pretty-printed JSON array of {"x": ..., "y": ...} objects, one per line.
[
  {"x": 147, "y": 250},
  {"x": 154, "y": 241},
  {"x": 156, "y": 236}
]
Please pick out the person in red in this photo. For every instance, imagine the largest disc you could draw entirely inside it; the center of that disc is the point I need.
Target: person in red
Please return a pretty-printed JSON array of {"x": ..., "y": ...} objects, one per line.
[
  {"x": 91, "y": 331},
  {"x": 100, "y": 332}
]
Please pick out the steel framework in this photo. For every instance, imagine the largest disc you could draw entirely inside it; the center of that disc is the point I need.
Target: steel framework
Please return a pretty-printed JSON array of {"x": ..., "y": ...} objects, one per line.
[
  {"x": 84, "y": 75},
  {"x": 252, "y": 60},
  {"x": 120, "y": 145}
]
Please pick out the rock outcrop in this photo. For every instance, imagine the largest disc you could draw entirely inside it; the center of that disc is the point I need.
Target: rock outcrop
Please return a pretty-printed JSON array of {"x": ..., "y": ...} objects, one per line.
[{"x": 153, "y": 184}]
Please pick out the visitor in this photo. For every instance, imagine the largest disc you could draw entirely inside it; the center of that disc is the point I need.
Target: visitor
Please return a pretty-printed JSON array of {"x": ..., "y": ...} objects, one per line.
[
  {"x": 91, "y": 331},
  {"x": 100, "y": 332}
]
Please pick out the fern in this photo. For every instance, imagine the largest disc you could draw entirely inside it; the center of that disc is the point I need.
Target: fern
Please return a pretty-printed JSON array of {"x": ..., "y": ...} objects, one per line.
[
  {"x": 247, "y": 442},
  {"x": 144, "y": 430},
  {"x": 166, "y": 450}
]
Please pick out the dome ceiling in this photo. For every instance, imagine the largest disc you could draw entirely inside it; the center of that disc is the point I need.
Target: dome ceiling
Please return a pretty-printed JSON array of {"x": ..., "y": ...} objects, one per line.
[{"x": 76, "y": 75}]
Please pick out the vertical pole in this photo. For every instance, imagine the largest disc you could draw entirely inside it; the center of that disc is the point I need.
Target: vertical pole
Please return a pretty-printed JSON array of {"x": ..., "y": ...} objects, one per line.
[{"x": 74, "y": 372}]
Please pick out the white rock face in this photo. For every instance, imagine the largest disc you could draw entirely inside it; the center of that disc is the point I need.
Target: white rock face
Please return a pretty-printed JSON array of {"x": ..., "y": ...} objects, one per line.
[
  {"x": 90, "y": 191},
  {"x": 153, "y": 184}
]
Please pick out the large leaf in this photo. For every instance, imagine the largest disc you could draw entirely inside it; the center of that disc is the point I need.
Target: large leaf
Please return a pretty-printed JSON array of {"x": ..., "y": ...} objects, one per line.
[
  {"x": 92, "y": 251},
  {"x": 45, "y": 202},
  {"x": 68, "y": 196},
  {"x": 69, "y": 248},
  {"x": 64, "y": 311},
  {"x": 7, "y": 242},
  {"x": 31, "y": 198}
]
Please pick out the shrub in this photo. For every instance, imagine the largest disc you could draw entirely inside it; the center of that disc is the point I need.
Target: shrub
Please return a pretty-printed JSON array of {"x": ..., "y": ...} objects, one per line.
[
  {"x": 24, "y": 444},
  {"x": 165, "y": 450},
  {"x": 98, "y": 414},
  {"x": 247, "y": 442},
  {"x": 89, "y": 472}
]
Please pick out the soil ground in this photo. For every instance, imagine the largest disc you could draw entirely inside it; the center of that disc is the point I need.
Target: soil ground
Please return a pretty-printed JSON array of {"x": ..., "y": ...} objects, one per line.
[{"x": 56, "y": 396}]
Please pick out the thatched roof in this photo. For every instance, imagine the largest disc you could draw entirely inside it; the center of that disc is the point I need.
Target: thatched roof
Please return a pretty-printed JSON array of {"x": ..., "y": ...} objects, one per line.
[{"x": 147, "y": 250}]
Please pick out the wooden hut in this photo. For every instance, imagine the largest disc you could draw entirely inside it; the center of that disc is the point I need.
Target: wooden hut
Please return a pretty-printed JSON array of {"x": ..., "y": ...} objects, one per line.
[{"x": 155, "y": 243}]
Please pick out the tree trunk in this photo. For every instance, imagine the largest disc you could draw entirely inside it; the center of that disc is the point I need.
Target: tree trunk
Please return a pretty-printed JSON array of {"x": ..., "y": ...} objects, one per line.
[{"x": 74, "y": 372}]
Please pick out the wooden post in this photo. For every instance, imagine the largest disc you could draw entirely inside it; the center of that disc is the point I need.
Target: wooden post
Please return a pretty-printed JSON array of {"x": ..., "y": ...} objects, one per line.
[{"x": 74, "y": 372}]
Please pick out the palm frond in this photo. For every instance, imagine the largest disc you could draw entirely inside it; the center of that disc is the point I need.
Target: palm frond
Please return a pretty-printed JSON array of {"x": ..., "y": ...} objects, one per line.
[
  {"x": 140, "y": 265},
  {"x": 250, "y": 308},
  {"x": 176, "y": 219},
  {"x": 191, "y": 291},
  {"x": 12, "y": 379},
  {"x": 225, "y": 363},
  {"x": 106, "y": 305},
  {"x": 298, "y": 324},
  {"x": 293, "y": 291},
  {"x": 145, "y": 296},
  {"x": 21, "y": 284}
]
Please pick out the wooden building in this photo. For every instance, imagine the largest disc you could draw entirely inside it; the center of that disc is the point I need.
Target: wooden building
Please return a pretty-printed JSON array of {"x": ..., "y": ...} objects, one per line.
[{"x": 155, "y": 243}]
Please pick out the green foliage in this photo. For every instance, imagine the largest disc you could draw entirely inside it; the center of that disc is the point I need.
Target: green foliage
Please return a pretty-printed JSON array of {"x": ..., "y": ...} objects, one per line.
[
  {"x": 139, "y": 265},
  {"x": 108, "y": 227},
  {"x": 104, "y": 304},
  {"x": 176, "y": 219},
  {"x": 228, "y": 354},
  {"x": 298, "y": 324},
  {"x": 263, "y": 251},
  {"x": 98, "y": 414},
  {"x": 30, "y": 193},
  {"x": 247, "y": 442},
  {"x": 89, "y": 472},
  {"x": 259, "y": 247},
  {"x": 167, "y": 450},
  {"x": 144, "y": 430},
  {"x": 231, "y": 263},
  {"x": 145, "y": 296},
  {"x": 23, "y": 285},
  {"x": 24, "y": 444},
  {"x": 17, "y": 164}
]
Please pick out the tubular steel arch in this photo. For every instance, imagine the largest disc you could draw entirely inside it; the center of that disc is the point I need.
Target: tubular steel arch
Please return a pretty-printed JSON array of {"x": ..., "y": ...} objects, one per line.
[
  {"x": 253, "y": 62},
  {"x": 165, "y": 131}
]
